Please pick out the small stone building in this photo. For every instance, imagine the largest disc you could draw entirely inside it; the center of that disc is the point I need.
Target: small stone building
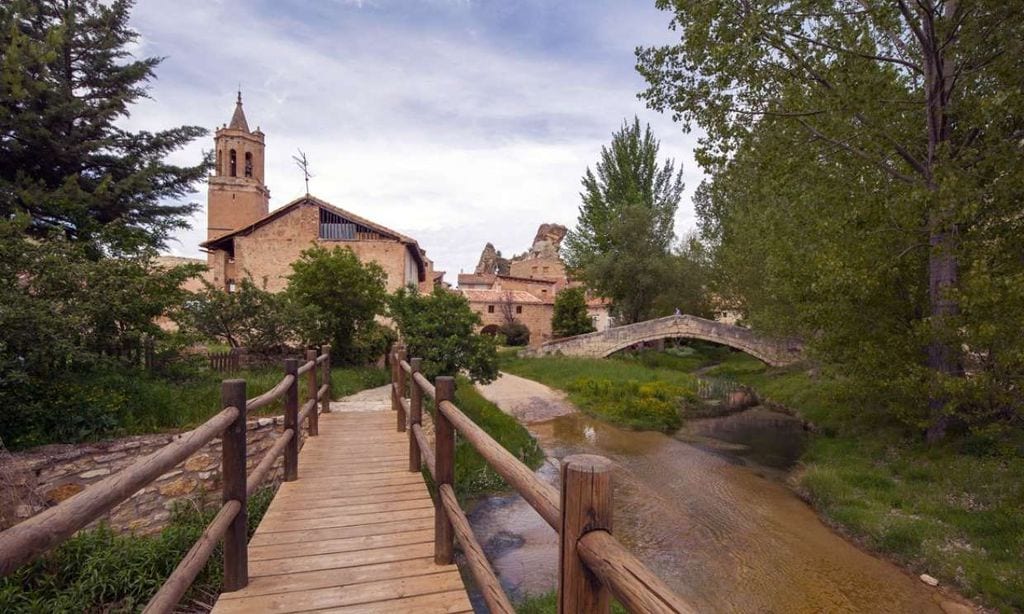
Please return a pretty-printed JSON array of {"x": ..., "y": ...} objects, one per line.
[{"x": 245, "y": 238}]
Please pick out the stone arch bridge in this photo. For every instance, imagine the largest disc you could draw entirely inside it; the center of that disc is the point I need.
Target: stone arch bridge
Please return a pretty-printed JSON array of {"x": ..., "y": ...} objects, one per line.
[{"x": 775, "y": 352}]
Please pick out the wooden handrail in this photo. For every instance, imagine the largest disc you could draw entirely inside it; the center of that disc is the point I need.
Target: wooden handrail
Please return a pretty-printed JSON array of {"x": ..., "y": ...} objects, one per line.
[
  {"x": 488, "y": 584},
  {"x": 27, "y": 540},
  {"x": 632, "y": 583},
  {"x": 267, "y": 462},
  {"x": 178, "y": 583},
  {"x": 271, "y": 395},
  {"x": 581, "y": 513},
  {"x": 542, "y": 497}
]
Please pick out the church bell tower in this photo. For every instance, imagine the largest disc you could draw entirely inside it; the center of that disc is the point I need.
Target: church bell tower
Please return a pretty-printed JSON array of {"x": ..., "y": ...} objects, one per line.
[{"x": 237, "y": 195}]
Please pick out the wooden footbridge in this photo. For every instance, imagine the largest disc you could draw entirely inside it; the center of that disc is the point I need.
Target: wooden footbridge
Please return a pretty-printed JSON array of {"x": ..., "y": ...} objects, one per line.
[{"x": 353, "y": 527}]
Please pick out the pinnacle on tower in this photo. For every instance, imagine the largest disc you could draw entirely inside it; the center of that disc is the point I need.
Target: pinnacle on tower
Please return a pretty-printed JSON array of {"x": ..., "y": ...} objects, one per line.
[{"x": 238, "y": 118}]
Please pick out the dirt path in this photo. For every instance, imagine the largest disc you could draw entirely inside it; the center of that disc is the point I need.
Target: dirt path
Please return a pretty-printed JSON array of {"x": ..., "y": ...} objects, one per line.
[{"x": 528, "y": 401}]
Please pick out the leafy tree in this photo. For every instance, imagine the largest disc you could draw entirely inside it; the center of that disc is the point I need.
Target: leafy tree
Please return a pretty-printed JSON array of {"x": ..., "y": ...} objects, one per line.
[
  {"x": 570, "y": 317},
  {"x": 440, "y": 328},
  {"x": 337, "y": 298},
  {"x": 621, "y": 241},
  {"x": 516, "y": 334},
  {"x": 688, "y": 280},
  {"x": 913, "y": 99},
  {"x": 249, "y": 317},
  {"x": 68, "y": 78}
]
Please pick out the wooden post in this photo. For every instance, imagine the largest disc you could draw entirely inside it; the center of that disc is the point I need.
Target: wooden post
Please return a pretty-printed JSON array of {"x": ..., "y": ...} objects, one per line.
[
  {"x": 233, "y": 448},
  {"x": 586, "y": 506},
  {"x": 325, "y": 403},
  {"x": 401, "y": 389},
  {"x": 314, "y": 417},
  {"x": 415, "y": 413},
  {"x": 444, "y": 467},
  {"x": 291, "y": 421},
  {"x": 392, "y": 360}
]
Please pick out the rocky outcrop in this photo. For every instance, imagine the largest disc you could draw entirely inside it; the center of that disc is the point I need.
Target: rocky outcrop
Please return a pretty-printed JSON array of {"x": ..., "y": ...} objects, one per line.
[
  {"x": 546, "y": 244},
  {"x": 491, "y": 262}
]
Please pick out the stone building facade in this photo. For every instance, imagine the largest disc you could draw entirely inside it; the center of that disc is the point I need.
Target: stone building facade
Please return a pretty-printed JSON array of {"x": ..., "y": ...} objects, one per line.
[
  {"x": 529, "y": 283},
  {"x": 244, "y": 238}
]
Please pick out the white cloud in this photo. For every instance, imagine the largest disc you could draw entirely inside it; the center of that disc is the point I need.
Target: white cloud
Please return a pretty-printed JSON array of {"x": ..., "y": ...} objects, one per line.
[{"x": 445, "y": 136}]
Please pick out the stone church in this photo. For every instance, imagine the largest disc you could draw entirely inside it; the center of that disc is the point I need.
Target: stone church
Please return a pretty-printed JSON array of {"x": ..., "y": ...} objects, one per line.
[{"x": 245, "y": 238}]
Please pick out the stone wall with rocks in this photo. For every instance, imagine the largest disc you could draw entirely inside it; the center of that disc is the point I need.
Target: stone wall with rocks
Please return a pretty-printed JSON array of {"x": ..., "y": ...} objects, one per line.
[{"x": 35, "y": 479}]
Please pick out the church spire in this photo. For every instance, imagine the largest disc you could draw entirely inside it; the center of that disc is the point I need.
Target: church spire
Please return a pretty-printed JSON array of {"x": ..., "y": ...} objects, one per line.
[{"x": 238, "y": 118}]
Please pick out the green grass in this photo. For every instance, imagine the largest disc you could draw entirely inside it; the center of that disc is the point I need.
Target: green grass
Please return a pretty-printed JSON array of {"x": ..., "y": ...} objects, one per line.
[
  {"x": 102, "y": 571},
  {"x": 547, "y": 603},
  {"x": 473, "y": 475},
  {"x": 622, "y": 391},
  {"x": 111, "y": 403}
]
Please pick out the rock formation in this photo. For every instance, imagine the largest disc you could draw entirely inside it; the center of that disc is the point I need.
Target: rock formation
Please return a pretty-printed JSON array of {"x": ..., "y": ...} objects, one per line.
[{"x": 547, "y": 241}]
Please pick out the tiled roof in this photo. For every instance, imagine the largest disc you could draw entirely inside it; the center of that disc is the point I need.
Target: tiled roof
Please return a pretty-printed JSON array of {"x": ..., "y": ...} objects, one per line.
[
  {"x": 417, "y": 252},
  {"x": 497, "y": 296}
]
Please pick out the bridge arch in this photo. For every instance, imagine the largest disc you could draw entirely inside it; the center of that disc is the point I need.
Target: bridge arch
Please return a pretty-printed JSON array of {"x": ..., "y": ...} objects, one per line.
[{"x": 601, "y": 344}]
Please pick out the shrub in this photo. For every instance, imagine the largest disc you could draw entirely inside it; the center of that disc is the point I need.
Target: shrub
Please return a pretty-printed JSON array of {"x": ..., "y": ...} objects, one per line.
[
  {"x": 649, "y": 405},
  {"x": 516, "y": 334}
]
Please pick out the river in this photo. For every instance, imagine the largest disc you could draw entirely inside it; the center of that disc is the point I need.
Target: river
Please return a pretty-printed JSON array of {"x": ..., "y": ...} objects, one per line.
[{"x": 707, "y": 509}]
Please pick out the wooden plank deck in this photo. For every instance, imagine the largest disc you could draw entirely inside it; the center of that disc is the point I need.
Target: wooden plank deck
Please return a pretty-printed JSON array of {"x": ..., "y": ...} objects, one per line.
[{"x": 355, "y": 532}]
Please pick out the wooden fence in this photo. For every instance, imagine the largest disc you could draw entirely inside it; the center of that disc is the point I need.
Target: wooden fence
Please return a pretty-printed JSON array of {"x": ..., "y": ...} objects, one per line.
[
  {"x": 225, "y": 362},
  {"x": 30, "y": 539},
  {"x": 593, "y": 564}
]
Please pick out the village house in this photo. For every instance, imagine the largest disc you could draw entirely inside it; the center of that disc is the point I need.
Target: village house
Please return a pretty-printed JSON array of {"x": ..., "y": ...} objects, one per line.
[
  {"x": 524, "y": 288},
  {"x": 245, "y": 238}
]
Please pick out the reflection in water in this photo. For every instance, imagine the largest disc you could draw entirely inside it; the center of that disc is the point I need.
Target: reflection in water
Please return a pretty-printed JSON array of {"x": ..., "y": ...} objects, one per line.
[{"x": 727, "y": 539}]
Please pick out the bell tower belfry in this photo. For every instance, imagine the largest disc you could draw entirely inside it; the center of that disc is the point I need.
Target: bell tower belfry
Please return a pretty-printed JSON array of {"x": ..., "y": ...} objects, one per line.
[{"x": 237, "y": 195}]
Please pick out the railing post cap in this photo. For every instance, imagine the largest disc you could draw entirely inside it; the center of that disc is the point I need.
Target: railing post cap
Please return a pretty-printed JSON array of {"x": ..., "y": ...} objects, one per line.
[
  {"x": 416, "y": 363},
  {"x": 233, "y": 382},
  {"x": 589, "y": 463}
]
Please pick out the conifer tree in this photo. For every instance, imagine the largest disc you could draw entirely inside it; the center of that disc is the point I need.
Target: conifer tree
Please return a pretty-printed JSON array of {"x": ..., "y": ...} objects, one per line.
[{"x": 68, "y": 81}]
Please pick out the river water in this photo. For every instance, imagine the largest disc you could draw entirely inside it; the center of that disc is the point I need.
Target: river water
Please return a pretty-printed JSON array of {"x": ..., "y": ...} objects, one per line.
[{"x": 707, "y": 509}]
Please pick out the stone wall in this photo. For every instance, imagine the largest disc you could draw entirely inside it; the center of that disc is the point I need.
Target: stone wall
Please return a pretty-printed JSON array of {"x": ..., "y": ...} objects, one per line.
[
  {"x": 536, "y": 317},
  {"x": 41, "y": 477}
]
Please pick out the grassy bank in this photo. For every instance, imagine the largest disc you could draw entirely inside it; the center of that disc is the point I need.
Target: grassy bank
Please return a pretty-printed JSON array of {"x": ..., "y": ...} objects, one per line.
[
  {"x": 473, "y": 476},
  {"x": 548, "y": 604},
  {"x": 954, "y": 511},
  {"x": 112, "y": 403},
  {"x": 624, "y": 391},
  {"x": 101, "y": 571}
]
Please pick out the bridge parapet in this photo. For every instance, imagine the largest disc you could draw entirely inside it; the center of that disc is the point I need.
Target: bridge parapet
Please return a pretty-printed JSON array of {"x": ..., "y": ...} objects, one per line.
[{"x": 775, "y": 352}]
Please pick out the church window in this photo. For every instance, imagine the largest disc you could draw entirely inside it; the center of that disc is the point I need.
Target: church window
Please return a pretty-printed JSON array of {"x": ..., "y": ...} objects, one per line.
[
  {"x": 220, "y": 161},
  {"x": 248, "y": 164},
  {"x": 336, "y": 228},
  {"x": 233, "y": 163}
]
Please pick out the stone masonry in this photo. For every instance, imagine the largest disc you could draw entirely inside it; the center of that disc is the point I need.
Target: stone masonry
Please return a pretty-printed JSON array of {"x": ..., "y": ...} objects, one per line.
[
  {"x": 600, "y": 344},
  {"x": 47, "y": 475}
]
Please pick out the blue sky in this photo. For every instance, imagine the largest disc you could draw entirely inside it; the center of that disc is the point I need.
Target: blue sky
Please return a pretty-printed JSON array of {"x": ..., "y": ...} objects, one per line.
[{"x": 457, "y": 122}]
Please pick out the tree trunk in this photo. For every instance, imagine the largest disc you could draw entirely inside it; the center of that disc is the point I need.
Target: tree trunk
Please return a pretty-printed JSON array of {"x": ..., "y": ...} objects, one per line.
[{"x": 943, "y": 356}]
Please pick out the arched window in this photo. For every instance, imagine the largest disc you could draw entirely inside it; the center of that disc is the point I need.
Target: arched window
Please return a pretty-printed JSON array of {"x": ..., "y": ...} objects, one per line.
[
  {"x": 220, "y": 161},
  {"x": 233, "y": 163},
  {"x": 248, "y": 164}
]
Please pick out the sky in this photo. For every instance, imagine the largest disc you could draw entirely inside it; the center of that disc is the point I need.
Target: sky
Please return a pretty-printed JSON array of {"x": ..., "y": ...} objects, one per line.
[{"x": 457, "y": 122}]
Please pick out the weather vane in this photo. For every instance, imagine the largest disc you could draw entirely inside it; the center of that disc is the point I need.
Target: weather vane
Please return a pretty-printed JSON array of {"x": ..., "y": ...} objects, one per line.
[{"x": 303, "y": 164}]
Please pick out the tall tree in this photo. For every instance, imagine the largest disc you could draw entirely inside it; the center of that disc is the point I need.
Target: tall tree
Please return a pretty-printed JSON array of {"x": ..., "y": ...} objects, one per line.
[
  {"x": 622, "y": 238},
  {"x": 570, "y": 315},
  {"x": 918, "y": 95},
  {"x": 69, "y": 79}
]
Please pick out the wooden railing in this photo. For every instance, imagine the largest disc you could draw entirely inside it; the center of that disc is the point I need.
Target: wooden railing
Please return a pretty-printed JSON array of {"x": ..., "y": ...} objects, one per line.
[
  {"x": 30, "y": 539},
  {"x": 593, "y": 564}
]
